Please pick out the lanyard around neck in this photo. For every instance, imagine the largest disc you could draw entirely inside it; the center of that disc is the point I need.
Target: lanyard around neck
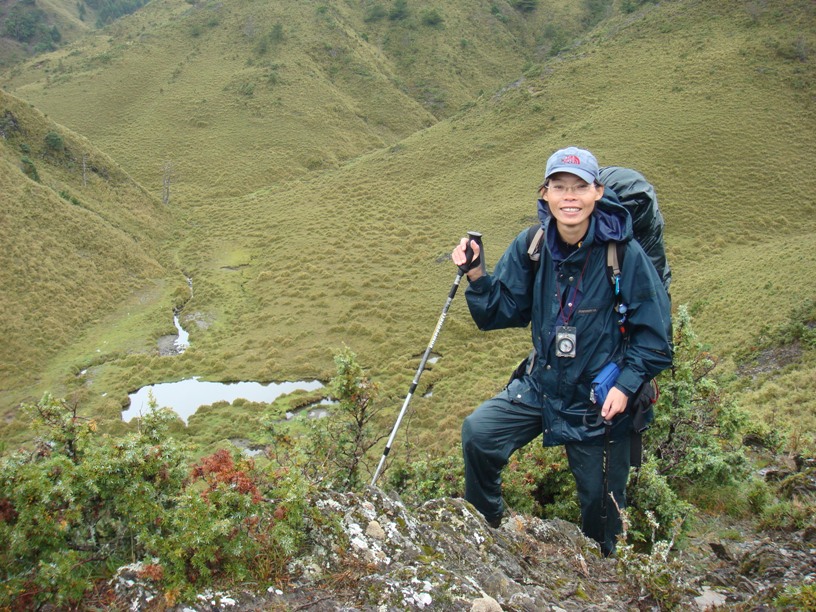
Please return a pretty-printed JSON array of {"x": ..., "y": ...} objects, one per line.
[{"x": 565, "y": 316}]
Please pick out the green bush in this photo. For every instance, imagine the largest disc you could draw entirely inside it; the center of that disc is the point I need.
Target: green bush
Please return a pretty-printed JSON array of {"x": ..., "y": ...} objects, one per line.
[
  {"x": 333, "y": 450},
  {"x": 79, "y": 504},
  {"x": 557, "y": 37},
  {"x": 109, "y": 10},
  {"x": 797, "y": 597},
  {"x": 433, "y": 18},
  {"x": 429, "y": 478},
  {"x": 538, "y": 481},
  {"x": 497, "y": 13},
  {"x": 654, "y": 579},
  {"x": 29, "y": 169},
  {"x": 759, "y": 496},
  {"x": 595, "y": 11},
  {"x": 246, "y": 526},
  {"x": 630, "y": 6},
  {"x": 525, "y": 6},
  {"x": 694, "y": 443},
  {"x": 375, "y": 12},
  {"x": 276, "y": 34},
  {"x": 54, "y": 142},
  {"x": 788, "y": 515},
  {"x": 655, "y": 510},
  {"x": 696, "y": 436},
  {"x": 399, "y": 10},
  {"x": 24, "y": 22}
]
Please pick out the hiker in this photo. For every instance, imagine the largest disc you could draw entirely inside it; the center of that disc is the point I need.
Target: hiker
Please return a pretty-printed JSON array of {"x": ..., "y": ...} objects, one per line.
[{"x": 576, "y": 332}]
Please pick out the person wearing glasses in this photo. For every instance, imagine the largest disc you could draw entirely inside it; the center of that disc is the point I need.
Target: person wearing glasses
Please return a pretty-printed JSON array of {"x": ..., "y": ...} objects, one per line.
[{"x": 568, "y": 300}]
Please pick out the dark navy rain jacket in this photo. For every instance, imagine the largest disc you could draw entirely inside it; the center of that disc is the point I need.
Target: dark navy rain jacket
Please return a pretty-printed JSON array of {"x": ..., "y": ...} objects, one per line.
[{"x": 514, "y": 295}]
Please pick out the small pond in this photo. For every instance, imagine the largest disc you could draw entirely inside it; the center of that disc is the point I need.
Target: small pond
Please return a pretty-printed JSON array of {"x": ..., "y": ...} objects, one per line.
[{"x": 186, "y": 396}]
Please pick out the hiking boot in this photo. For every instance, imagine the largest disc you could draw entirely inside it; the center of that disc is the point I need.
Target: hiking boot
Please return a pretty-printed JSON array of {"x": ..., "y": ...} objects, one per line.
[{"x": 495, "y": 522}]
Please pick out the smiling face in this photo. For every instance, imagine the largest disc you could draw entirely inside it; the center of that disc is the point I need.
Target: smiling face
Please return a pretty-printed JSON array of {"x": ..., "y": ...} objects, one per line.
[{"x": 571, "y": 200}]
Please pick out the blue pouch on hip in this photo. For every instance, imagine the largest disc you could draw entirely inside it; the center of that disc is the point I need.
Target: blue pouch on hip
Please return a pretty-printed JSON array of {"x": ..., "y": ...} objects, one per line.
[{"x": 603, "y": 382}]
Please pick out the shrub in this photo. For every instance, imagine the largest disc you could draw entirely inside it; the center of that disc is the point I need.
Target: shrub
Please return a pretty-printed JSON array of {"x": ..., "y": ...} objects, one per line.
[
  {"x": 274, "y": 37},
  {"x": 655, "y": 577},
  {"x": 595, "y": 11},
  {"x": 696, "y": 434},
  {"x": 79, "y": 502},
  {"x": 525, "y": 6},
  {"x": 429, "y": 478},
  {"x": 537, "y": 480},
  {"x": 29, "y": 169},
  {"x": 54, "y": 142},
  {"x": 797, "y": 597},
  {"x": 348, "y": 433},
  {"x": 239, "y": 533},
  {"x": 375, "y": 12},
  {"x": 276, "y": 34},
  {"x": 497, "y": 13},
  {"x": 335, "y": 449},
  {"x": 759, "y": 496},
  {"x": 655, "y": 510},
  {"x": 788, "y": 515},
  {"x": 630, "y": 6},
  {"x": 66, "y": 195},
  {"x": 246, "y": 89},
  {"x": 25, "y": 23},
  {"x": 557, "y": 37},
  {"x": 432, "y": 18},
  {"x": 399, "y": 10},
  {"x": 694, "y": 443}
]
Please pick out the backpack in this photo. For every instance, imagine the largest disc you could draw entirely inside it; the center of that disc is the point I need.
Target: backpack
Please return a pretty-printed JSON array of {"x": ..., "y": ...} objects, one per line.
[{"x": 637, "y": 195}]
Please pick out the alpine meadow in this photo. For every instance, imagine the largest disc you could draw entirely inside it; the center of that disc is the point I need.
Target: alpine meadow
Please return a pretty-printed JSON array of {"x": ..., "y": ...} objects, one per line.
[{"x": 289, "y": 179}]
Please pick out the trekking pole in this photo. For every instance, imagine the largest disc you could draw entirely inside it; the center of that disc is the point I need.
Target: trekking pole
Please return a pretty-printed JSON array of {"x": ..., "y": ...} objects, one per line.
[{"x": 460, "y": 273}]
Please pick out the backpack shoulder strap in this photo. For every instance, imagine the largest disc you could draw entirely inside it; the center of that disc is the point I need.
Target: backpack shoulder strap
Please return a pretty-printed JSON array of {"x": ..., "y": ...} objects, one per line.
[
  {"x": 614, "y": 261},
  {"x": 534, "y": 236}
]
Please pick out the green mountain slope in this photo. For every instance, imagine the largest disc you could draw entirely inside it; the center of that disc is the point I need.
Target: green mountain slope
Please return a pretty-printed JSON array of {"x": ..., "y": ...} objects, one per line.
[
  {"x": 239, "y": 96},
  {"x": 315, "y": 198},
  {"x": 78, "y": 236},
  {"x": 702, "y": 102}
]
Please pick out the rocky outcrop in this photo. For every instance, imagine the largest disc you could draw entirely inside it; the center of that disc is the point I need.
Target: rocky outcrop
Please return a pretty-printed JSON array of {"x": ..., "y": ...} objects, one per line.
[
  {"x": 444, "y": 556},
  {"x": 371, "y": 552}
]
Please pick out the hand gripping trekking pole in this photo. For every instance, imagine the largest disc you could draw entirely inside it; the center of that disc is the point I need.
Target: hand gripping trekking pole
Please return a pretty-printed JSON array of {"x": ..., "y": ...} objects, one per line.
[{"x": 461, "y": 272}]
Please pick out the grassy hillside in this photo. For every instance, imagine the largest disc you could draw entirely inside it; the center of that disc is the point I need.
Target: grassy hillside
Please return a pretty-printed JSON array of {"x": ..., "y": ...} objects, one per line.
[
  {"x": 297, "y": 243},
  {"x": 367, "y": 266},
  {"x": 78, "y": 236},
  {"x": 240, "y": 96}
]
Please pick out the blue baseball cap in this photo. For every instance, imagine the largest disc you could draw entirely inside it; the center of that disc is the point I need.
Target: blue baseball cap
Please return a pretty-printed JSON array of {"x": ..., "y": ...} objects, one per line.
[{"x": 573, "y": 160}]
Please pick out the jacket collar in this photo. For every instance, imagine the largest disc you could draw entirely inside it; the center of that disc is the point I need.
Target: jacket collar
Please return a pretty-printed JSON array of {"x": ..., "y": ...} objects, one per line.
[{"x": 609, "y": 221}]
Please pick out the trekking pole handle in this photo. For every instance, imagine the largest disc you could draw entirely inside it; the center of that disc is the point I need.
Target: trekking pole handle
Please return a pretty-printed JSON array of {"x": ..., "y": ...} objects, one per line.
[{"x": 477, "y": 236}]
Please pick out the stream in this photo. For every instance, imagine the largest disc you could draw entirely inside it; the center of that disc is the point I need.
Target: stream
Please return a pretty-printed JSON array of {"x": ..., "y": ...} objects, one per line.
[{"x": 184, "y": 397}]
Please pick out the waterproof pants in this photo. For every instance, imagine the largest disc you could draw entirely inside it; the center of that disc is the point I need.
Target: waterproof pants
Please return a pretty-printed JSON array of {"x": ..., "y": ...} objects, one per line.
[
  {"x": 499, "y": 427},
  {"x": 586, "y": 462}
]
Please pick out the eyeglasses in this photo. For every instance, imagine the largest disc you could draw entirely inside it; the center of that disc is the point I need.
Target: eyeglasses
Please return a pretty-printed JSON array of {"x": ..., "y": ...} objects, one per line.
[{"x": 560, "y": 189}]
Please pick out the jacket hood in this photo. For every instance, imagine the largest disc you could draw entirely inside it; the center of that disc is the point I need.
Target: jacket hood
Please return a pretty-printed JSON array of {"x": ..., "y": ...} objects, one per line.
[{"x": 609, "y": 221}]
